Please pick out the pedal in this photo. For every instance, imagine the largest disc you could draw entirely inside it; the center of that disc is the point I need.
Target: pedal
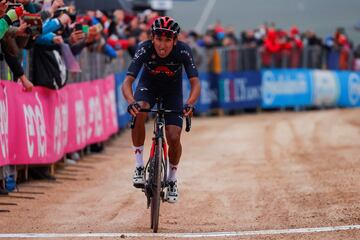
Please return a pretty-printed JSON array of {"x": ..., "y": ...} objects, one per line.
[
  {"x": 164, "y": 195},
  {"x": 139, "y": 185}
]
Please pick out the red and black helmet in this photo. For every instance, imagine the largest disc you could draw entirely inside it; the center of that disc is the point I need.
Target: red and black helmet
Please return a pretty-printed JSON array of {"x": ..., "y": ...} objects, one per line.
[{"x": 165, "y": 26}]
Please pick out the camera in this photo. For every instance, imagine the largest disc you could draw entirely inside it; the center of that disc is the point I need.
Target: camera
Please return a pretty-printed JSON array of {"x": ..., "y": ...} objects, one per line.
[
  {"x": 13, "y": 6},
  {"x": 66, "y": 10},
  {"x": 34, "y": 23}
]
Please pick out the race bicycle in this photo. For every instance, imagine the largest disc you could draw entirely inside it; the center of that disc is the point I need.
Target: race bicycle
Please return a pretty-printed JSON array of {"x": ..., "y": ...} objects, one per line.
[{"x": 156, "y": 167}]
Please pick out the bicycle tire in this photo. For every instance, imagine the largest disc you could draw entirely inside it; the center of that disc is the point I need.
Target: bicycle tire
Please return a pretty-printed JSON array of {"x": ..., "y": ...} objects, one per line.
[{"x": 155, "y": 201}]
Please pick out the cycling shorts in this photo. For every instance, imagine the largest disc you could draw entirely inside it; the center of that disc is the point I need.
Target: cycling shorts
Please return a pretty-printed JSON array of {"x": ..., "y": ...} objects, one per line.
[{"x": 170, "y": 101}]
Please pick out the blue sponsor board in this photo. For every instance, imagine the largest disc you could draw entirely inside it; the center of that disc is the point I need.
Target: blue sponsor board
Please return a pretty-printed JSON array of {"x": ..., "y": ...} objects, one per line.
[
  {"x": 350, "y": 89},
  {"x": 239, "y": 90},
  {"x": 204, "y": 101},
  {"x": 286, "y": 88}
]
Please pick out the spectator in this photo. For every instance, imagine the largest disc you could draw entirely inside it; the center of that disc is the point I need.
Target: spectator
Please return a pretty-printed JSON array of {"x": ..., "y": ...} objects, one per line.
[
  {"x": 344, "y": 52},
  {"x": 271, "y": 50},
  {"x": 192, "y": 41},
  {"x": 293, "y": 48},
  {"x": 314, "y": 50}
]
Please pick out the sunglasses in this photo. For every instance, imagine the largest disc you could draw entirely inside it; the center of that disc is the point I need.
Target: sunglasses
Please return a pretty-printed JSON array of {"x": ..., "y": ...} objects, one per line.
[{"x": 163, "y": 32}]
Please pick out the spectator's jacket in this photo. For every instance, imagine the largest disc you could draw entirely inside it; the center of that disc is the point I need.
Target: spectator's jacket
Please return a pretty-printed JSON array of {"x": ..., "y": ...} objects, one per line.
[
  {"x": 4, "y": 26},
  {"x": 47, "y": 36},
  {"x": 49, "y": 69}
]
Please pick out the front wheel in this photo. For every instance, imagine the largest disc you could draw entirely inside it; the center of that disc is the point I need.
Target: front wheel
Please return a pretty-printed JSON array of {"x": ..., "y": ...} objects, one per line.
[{"x": 156, "y": 187}]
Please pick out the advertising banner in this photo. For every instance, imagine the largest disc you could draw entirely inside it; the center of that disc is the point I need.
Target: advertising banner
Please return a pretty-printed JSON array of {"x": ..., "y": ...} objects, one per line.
[
  {"x": 41, "y": 126},
  {"x": 240, "y": 90}
]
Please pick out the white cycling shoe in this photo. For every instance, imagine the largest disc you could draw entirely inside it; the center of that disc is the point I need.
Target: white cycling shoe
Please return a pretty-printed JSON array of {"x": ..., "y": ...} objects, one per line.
[
  {"x": 172, "y": 194},
  {"x": 139, "y": 177}
]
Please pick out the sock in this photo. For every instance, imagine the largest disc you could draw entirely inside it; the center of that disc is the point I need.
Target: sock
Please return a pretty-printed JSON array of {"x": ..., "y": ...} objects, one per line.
[
  {"x": 172, "y": 172},
  {"x": 139, "y": 156}
]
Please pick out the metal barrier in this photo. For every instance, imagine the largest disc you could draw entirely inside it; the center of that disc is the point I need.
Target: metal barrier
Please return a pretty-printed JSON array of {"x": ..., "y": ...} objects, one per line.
[
  {"x": 253, "y": 59},
  {"x": 93, "y": 66}
]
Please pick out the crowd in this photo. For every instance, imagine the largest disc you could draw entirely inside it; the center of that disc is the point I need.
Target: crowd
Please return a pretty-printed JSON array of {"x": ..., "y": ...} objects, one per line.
[
  {"x": 53, "y": 32},
  {"x": 56, "y": 34},
  {"x": 269, "y": 46}
]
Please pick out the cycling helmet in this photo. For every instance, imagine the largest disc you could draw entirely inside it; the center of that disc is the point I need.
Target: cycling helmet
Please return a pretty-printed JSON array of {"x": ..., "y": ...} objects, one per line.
[{"x": 165, "y": 26}]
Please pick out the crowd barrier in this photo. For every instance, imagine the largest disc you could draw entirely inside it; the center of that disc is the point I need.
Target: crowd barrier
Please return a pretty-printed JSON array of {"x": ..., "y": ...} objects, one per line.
[{"x": 41, "y": 126}]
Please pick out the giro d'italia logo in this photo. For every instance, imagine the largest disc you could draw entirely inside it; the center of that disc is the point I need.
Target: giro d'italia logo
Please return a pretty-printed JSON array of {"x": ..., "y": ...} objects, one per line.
[{"x": 354, "y": 88}]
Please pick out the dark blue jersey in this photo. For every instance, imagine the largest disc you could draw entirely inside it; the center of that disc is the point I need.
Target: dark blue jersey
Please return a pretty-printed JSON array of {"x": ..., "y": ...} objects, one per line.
[{"x": 162, "y": 75}]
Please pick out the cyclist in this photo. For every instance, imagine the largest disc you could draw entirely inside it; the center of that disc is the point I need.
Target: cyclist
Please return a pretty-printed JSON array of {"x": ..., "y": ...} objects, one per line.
[{"x": 161, "y": 59}]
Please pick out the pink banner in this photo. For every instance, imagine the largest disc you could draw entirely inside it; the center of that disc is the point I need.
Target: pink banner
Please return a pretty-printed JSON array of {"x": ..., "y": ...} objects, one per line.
[{"x": 41, "y": 126}]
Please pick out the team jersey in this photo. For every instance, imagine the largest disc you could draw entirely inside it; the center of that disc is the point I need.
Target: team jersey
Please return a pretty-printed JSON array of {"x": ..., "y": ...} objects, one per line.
[{"x": 162, "y": 75}]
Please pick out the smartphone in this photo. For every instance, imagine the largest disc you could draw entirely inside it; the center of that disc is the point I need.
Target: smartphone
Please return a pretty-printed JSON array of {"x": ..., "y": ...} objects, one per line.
[{"x": 78, "y": 27}]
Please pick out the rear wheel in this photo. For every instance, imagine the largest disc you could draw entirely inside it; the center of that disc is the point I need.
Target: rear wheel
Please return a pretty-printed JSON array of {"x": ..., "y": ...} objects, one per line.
[{"x": 155, "y": 200}]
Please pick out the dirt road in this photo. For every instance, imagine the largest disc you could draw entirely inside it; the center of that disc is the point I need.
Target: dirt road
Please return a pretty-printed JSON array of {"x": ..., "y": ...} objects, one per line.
[{"x": 241, "y": 173}]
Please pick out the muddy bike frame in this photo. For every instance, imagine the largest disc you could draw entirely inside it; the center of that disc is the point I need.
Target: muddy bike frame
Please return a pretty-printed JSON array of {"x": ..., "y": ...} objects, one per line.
[{"x": 156, "y": 167}]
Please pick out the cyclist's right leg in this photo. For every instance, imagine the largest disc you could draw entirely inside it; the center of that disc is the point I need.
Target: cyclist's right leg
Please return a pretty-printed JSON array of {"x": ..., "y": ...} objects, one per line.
[
  {"x": 138, "y": 139},
  {"x": 146, "y": 100}
]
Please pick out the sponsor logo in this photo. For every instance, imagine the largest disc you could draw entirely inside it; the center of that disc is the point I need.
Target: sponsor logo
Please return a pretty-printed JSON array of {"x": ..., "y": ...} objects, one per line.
[
  {"x": 282, "y": 84},
  {"x": 240, "y": 91},
  {"x": 61, "y": 127},
  {"x": 35, "y": 128},
  {"x": 95, "y": 124},
  {"x": 326, "y": 90},
  {"x": 354, "y": 88},
  {"x": 80, "y": 120},
  {"x": 139, "y": 53},
  {"x": 162, "y": 69}
]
